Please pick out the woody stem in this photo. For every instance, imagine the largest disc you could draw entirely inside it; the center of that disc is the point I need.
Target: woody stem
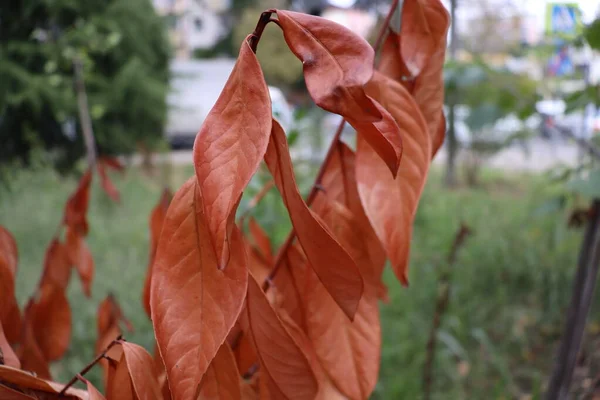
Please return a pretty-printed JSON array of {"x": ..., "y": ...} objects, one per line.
[
  {"x": 90, "y": 365},
  {"x": 264, "y": 19},
  {"x": 316, "y": 187}
]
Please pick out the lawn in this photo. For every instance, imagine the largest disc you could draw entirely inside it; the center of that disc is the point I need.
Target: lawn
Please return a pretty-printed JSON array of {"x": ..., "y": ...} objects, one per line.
[{"x": 510, "y": 284}]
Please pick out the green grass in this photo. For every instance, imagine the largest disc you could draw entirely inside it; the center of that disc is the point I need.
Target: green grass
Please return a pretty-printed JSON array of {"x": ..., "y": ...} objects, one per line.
[{"x": 510, "y": 285}]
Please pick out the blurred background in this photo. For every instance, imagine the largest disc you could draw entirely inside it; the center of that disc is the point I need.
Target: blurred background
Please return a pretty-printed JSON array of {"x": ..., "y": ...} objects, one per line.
[{"x": 522, "y": 96}]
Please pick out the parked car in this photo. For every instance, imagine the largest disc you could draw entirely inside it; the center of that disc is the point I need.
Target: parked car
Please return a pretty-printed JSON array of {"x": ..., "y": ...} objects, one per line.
[{"x": 195, "y": 88}]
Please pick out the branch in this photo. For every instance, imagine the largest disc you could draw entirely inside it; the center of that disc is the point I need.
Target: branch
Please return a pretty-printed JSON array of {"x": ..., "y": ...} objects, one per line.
[
  {"x": 84, "y": 113},
  {"x": 443, "y": 299},
  {"x": 584, "y": 144},
  {"x": 90, "y": 365},
  {"x": 581, "y": 301}
]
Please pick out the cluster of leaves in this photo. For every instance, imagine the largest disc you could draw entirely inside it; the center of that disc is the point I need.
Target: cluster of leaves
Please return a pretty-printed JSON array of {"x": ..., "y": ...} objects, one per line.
[
  {"x": 232, "y": 320},
  {"x": 124, "y": 50}
]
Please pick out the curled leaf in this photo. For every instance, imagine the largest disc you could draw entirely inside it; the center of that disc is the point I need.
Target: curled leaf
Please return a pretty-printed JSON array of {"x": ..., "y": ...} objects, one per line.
[
  {"x": 141, "y": 369},
  {"x": 51, "y": 322},
  {"x": 81, "y": 257},
  {"x": 194, "y": 305},
  {"x": 119, "y": 386},
  {"x": 157, "y": 217},
  {"x": 392, "y": 204},
  {"x": 282, "y": 361},
  {"x": 222, "y": 380},
  {"x": 337, "y": 64},
  {"x": 22, "y": 379},
  {"x": 327, "y": 257},
  {"x": 229, "y": 147}
]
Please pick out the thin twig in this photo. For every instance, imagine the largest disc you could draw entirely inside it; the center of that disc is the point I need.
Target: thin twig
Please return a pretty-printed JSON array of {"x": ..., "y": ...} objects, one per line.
[
  {"x": 443, "y": 299},
  {"x": 581, "y": 301},
  {"x": 90, "y": 365},
  {"x": 264, "y": 19},
  {"x": 84, "y": 113}
]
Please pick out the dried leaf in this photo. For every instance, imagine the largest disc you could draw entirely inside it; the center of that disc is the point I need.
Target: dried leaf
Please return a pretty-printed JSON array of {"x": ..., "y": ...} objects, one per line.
[
  {"x": 77, "y": 205},
  {"x": 110, "y": 314},
  {"x": 8, "y": 355},
  {"x": 194, "y": 304},
  {"x": 12, "y": 322},
  {"x": 349, "y": 351},
  {"x": 112, "y": 163},
  {"x": 106, "y": 183},
  {"x": 245, "y": 355},
  {"x": 281, "y": 358},
  {"x": 230, "y": 145},
  {"x": 391, "y": 204},
  {"x": 119, "y": 386},
  {"x": 261, "y": 240},
  {"x": 57, "y": 265},
  {"x": 22, "y": 379},
  {"x": 256, "y": 263},
  {"x": 221, "y": 381},
  {"x": 81, "y": 257},
  {"x": 51, "y": 322},
  {"x": 7, "y": 393},
  {"x": 142, "y": 371},
  {"x": 115, "y": 352},
  {"x": 94, "y": 394},
  {"x": 29, "y": 352},
  {"x": 290, "y": 283},
  {"x": 337, "y": 64},
  {"x": 324, "y": 253},
  {"x": 8, "y": 271}
]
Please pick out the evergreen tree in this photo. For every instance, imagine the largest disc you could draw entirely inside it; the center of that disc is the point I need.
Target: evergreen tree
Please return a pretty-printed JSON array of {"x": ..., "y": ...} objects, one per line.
[{"x": 125, "y": 54}]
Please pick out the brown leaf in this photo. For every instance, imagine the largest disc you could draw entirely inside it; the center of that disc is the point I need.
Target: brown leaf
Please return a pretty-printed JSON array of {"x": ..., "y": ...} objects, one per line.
[
  {"x": 57, "y": 265},
  {"x": 12, "y": 321},
  {"x": 51, "y": 322},
  {"x": 391, "y": 204},
  {"x": 290, "y": 282},
  {"x": 7, "y": 393},
  {"x": 81, "y": 257},
  {"x": 115, "y": 352},
  {"x": 77, "y": 205},
  {"x": 22, "y": 379},
  {"x": 112, "y": 163},
  {"x": 281, "y": 358},
  {"x": 261, "y": 241},
  {"x": 324, "y": 253},
  {"x": 256, "y": 263},
  {"x": 337, "y": 64},
  {"x": 94, "y": 394},
  {"x": 110, "y": 314},
  {"x": 8, "y": 272},
  {"x": 230, "y": 146},
  {"x": 422, "y": 30},
  {"x": 245, "y": 355},
  {"x": 349, "y": 351},
  {"x": 222, "y": 380},
  {"x": 142, "y": 372},
  {"x": 29, "y": 353},
  {"x": 157, "y": 217},
  {"x": 106, "y": 183},
  {"x": 119, "y": 386},
  {"x": 8, "y": 355},
  {"x": 194, "y": 304}
]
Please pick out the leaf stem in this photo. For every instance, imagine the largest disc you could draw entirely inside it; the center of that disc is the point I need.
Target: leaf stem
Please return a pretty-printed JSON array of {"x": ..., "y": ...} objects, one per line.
[
  {"x": 264, "y": 19},
  {"x": 332, "y": 148},
  {"x": 90, "y": 365}
]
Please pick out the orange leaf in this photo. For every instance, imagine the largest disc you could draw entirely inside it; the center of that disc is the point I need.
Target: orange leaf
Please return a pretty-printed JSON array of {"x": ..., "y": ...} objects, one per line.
[
  {"x": 114, "y": 354},
  {"x": 77, "y": 205},
  {"x": 51, "y": 322},
  {"x": 57, "y": 265},
  {"x": 221, "y": 381},
  {"x": 256, "y": 263},
  {"x": 337, "y": 64},
  {"x": 112, "y": 163},
  {"x": 142, "y": 372},
  {"x": 349, "y": 351},
  {"x": 119, "y": 386},
  {"x": 229, "y": 147},
  {"x": 94, "y": 394},
  {"x": 327, "y": 257},
  {"x": 391, "y": 204},
  {"x": 290, "y": 281},
  {"x": 281, "y": 358},
  {"x": 194, "y": 305},
  {"x": 12, "y": 322},
  {"x": 244, "y": 353},
  {"x": 261, "y": 240},
  {"x": 23, "y": 379},
  {"x": 8, "y": 272},
  {"x": 8, "y": 355},
  {"x": 80, "y": 256},
  {"x": 29, "y": 352},
  {"x": 420, "y": 36},
  {"x": 109, "y": 314},
  {"x": 7, "y": 393},
  {"x": 157, "y": 217},
  {"x": 106, "y": 183}
]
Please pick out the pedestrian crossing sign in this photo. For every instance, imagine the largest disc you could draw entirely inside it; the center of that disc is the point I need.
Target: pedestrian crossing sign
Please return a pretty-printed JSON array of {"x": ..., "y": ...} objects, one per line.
[{"x": 563, "y": 19}]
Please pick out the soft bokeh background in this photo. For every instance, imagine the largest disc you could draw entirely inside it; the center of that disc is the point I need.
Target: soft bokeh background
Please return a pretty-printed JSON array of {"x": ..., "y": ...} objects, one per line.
[{"x": 518, "y": 83}]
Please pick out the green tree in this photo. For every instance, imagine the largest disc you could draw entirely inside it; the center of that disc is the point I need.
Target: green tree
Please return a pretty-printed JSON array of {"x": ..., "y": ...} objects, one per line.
[{"x": 125, "y": 54}]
